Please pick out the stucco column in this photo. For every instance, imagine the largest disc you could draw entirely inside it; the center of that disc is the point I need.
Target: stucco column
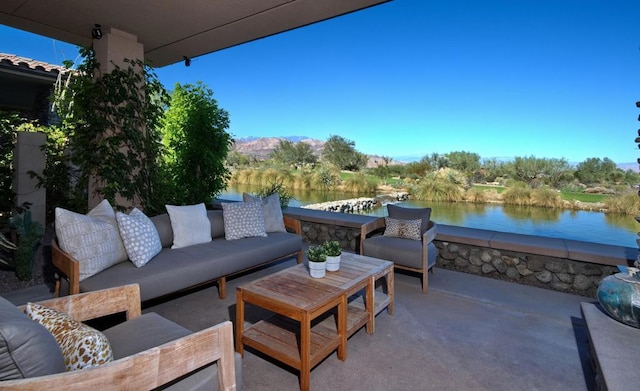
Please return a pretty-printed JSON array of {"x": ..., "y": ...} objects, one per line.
[
  {"x": 28, "y": 156},
  {"x": 111, "y": 50}
]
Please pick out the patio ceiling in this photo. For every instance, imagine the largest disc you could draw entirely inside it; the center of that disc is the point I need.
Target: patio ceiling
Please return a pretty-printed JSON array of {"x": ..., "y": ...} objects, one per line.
[{"x": 168, "y": 29}]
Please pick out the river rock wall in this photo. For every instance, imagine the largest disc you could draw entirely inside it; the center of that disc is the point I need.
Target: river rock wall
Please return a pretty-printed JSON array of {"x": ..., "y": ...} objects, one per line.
[
  {"x": 546, "y": 272},
  {"x": 317, "y": 233}
]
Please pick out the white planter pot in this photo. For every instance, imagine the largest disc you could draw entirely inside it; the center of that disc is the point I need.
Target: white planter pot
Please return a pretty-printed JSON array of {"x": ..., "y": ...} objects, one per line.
[
  {"x": 317, "y": 269},
  {"x": 333, "y": 263}
]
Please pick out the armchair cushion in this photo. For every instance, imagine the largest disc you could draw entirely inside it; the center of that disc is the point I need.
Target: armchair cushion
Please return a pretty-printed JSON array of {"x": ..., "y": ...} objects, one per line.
[
  {"x": 406, "y": 229},
  {"x": 404, "y": 252},
  {"x": 142, "y": 333},
  {"x": 399, "y": 212},
  {"x": 23, "y": 344}
]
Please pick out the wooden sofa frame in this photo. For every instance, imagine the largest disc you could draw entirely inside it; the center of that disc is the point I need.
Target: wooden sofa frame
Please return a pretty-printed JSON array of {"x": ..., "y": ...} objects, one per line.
[
  {"x": 68, "y": 267},
  {"x": 146, "y": 370}
]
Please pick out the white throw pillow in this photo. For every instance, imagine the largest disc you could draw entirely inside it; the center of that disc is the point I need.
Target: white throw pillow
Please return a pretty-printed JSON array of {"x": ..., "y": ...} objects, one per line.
[
  {"x": 139, "y": 235},
  {"x": 271, "y": 209},
  {"x": 93, "y": 239},
  {"x": 190, "y": 225},
  {"x": 242, "y": 220}
]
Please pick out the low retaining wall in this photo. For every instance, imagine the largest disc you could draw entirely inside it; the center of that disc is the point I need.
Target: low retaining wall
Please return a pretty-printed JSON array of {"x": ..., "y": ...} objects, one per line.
[
  {"x": 543, "y": 271},
  {"x": 563, "y": 265}
]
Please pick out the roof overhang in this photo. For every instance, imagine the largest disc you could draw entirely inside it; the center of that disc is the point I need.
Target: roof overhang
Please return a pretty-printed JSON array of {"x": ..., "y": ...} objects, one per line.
[{"x": 171, "y": 30}]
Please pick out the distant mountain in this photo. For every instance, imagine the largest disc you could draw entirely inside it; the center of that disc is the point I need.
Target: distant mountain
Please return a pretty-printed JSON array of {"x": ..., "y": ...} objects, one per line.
[
  {"x": 628, "y": 166},
  {"x": 261, "y": 147}
]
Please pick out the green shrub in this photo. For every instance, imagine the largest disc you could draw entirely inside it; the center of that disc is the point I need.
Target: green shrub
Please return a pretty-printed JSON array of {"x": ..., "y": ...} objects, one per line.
[
  {"x": 517, "y": 193},
  {"x": 276, "y": 187},
  {"x": 627, "y": 203},
  {"x": 546, "y": 197},
  {"x": 359, "y": 183},
  {"x": 445, "y": 185},
  {"x": 476, "y": 195}
]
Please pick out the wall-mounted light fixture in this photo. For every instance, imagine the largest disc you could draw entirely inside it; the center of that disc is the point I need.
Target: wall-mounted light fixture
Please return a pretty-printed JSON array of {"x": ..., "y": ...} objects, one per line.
[
  {"x": 187, "y": 61},
  {"x": 96, "y": 32}
]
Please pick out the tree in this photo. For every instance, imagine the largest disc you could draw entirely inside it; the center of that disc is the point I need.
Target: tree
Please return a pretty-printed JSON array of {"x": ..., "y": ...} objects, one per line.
[
  {"x": 293, "y": 154},
  {"x": 342, "y": 153},
  {"x": 595, "y": 170},
  {"x": 194, "y": 133},
  {"x": 466, "y": 162},
  {"x": 112, "y": 121}
]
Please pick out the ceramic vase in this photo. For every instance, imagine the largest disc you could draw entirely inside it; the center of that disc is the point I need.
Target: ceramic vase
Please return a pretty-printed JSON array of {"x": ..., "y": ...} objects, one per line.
[
  {"x": 317, "y": 269},
  {"x": 333, "y": 263},
  {"x": 619, "y": 295}
]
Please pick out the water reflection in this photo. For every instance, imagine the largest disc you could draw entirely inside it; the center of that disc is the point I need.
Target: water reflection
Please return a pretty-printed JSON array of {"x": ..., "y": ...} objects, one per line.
[{"x": 589, "y": 226}]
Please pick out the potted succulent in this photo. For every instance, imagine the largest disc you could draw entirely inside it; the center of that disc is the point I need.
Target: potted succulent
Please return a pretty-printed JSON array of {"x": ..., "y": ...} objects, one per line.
[
  {"x": 317, "y": 261},
  {"x": 333, "y": 251}
]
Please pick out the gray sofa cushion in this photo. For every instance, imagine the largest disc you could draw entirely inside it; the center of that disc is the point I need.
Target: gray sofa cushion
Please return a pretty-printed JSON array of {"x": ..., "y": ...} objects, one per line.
[
  {"x": 404, "y": 252},
  {"x": 163, "y": 225},
  {"x": 27, "y": 349},
  {"x": 175, "y": 269}
]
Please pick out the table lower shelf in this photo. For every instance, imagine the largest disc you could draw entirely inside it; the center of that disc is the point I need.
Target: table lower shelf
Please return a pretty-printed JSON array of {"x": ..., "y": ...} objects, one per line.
[{"x": 279, "y": 337}]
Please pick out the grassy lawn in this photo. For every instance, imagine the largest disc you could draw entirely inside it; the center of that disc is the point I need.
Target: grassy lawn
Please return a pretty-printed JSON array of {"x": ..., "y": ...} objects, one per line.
[
  {"x": 498, "y": 189},
  {"x": 583, "y": 197}
]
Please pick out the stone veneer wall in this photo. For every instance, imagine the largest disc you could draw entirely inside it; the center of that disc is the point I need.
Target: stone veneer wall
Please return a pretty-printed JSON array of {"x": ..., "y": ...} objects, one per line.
[
  {"x": 317, "y": 233},
  {"x": 559, "y": 274}
]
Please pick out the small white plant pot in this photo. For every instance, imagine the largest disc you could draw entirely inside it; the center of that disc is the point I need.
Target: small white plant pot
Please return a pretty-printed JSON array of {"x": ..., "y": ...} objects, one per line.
[
  {"x": 317, "y": 269},
  {"x": 333, "y": 263}
]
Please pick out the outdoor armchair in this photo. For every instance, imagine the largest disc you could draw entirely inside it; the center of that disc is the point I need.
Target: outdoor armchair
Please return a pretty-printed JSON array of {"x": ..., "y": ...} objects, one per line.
[
  {"x": 416, "y": 254},
  {"x": 150, "y": 352}
]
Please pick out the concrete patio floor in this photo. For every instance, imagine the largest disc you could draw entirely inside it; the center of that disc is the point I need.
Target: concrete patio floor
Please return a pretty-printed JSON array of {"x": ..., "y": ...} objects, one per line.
[{"x": 467, "y": 333}]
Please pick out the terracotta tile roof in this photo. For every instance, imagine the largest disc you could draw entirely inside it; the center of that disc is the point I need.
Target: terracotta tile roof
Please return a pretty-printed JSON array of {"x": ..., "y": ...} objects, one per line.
[{"x": 23, "y": 62}]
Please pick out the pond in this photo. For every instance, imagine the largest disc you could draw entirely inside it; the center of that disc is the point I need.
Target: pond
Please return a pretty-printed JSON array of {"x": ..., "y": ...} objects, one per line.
[{"x": 588, "y": 226}]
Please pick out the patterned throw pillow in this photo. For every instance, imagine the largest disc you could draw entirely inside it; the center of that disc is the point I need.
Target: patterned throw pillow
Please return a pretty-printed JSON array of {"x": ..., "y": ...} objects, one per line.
[
  {"x": 271, "y": 209},
  {"x": 82, "y": 346},
  {"x": 139, "y": 235},
  {"x": 407, "y": 229},
  {"x": 242, "y": 220},
  {"x": 93, "y": 239},
  {"x": 190, "y": 225}
]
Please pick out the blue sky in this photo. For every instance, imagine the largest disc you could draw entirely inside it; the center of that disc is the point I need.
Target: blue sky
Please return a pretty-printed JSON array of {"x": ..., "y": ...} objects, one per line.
[{"x": 501, "y": 78}]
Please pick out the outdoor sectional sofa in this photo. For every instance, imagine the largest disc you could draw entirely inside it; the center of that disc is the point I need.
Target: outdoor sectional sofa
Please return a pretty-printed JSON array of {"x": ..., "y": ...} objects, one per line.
[{"x": 175, "y": 269}]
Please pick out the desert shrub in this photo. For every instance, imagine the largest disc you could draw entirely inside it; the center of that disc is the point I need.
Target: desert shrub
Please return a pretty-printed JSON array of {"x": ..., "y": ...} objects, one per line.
[
  {"x": 325, "y": 178},
  {"x": 474, "y": 194},
  {"x": 517, "y": 193},
  {"x": 433, "y": 188},
  {"x": 276, "y": 187},
  {"x": 359, "y": 183},
  {"x": 546, "y": 197},
  {"x": 627, "y": 203}
]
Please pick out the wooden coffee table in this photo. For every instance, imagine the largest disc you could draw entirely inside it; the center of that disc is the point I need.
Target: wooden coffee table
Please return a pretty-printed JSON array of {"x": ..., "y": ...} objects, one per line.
[{"x": 314, "y": 316}]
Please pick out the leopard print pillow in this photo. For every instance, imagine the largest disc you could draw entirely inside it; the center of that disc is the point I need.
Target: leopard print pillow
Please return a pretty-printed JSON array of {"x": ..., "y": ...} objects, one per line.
[
  {"x": 82, "y": 346},
  {"x": 407, "y": 229}
]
